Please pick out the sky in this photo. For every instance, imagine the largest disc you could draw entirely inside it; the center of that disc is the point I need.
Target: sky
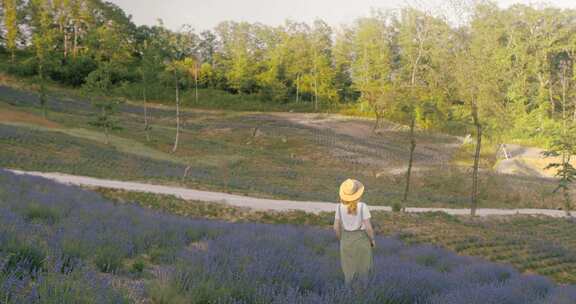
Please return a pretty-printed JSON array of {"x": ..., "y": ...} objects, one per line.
[{"x": 205, "y": 14}]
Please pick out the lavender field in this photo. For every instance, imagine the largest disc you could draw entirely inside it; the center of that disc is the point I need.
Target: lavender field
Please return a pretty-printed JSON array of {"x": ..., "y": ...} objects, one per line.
[{"x": 61, "y": 244}]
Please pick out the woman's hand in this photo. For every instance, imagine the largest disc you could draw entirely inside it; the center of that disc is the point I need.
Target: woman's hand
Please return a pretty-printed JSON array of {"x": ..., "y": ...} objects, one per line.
[
  {"x": 372, "y": 243},
  {"x": 337, "y": 229}
]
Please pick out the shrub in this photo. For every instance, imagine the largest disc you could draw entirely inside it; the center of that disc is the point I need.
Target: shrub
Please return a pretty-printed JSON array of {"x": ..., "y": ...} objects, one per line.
[
  {"x": 26, "y": 68},
  {"x": 108, "y": 258},
  {"x": 25, "y": 260},
  {"x": 396, "y": 207},
  {"x": 74, "y": 71},
  {"x": 163, "y": 293},
  {"x": 41, "y": 213},
  {"x": 138, "y": 266}
]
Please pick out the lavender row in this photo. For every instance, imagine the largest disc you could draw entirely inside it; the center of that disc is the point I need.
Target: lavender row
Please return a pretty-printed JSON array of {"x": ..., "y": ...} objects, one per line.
[{"x": 61, "y": 244}]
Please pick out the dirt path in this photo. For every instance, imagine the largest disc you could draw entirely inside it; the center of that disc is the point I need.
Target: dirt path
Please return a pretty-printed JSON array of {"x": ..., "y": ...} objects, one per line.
[
  {"x": 353, "y": 139},
  {"x": 259, "y": 203},
  {"x": 525, "y": 161}
]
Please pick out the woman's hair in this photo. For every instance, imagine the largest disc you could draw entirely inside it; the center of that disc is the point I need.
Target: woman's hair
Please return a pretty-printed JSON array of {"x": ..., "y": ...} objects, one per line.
[{"x": 352, "y": 206}]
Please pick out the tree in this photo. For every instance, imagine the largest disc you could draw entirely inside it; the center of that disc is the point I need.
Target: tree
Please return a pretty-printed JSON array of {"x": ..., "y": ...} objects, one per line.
[
  {"x": 372, "y": 64},
  {"x": 480, "y": 75},
  {"x": 322, "y": 69},
  {"x": 236, "y": 57},
  {"x": 43, "y": 41},
  {"x": 564, "y": 143},
  {"x": 207, "y": 47},
  {"x": 297, "y": 61},
  {"x": 414, "y": 36},
  {"x": 149, "y": 69},
  {"x": 206, "y": 75},
  {"x": 180, "y": 47},
  {"x": 11, "y": 24},
  {"x": 274, "y": 51},
  {"x": 342, "y": 53},
  {"x": 98, "y": 88}
]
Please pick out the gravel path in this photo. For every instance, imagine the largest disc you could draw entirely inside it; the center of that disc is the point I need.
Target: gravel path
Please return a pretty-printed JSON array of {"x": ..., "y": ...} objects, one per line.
[
  {"x": 517, "y": 164},
  {"x": 259, "y": 203}
]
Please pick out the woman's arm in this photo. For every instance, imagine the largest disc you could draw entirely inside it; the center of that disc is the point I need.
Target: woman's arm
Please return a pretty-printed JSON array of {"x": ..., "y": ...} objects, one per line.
[
  {"x": 337, "y": 228},
  {"x": 370, "y": 232}
]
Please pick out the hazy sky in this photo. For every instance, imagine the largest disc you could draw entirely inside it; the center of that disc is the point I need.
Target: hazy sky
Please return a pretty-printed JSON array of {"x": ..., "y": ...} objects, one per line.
[{"x": 205, "y": 14}]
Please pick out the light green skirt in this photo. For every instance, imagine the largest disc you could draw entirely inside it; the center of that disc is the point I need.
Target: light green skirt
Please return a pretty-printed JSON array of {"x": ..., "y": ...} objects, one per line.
[{"x": 355, "y": 255}]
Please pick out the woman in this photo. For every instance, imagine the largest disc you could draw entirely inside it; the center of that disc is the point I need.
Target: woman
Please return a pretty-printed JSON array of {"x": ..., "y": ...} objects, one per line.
[{"x": 354, "y": 230}]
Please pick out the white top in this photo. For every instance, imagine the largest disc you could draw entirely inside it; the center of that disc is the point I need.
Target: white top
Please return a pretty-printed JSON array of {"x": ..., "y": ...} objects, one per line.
[{"x": 353, "y": 222}]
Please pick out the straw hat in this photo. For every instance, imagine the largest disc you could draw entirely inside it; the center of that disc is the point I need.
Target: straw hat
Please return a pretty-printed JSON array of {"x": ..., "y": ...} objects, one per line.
[{"x": 351, "y": 190}]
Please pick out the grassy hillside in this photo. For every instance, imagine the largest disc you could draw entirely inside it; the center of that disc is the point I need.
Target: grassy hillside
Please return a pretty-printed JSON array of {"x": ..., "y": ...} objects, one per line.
[{"x": 296, "y": 156}]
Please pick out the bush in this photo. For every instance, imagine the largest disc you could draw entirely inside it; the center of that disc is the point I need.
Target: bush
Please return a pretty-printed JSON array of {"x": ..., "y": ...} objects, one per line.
[
  {"x": 26, "y": 68},
  {"x": 42, "y": 214},
  {"x": 108, "y": 258},
  {"x": 163, "y": 293},
  {"x": 77, "y": 287},
  {"x": 74, "y": 71},
  {"x": 25, "y": 260},
  {"x": 397, "y": 206},
  {"x": 138, "y": 266}
]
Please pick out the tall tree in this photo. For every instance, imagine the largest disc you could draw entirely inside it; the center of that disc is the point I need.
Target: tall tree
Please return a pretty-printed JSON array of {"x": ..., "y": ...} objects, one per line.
[
  {"x": 236, "y": 56},
  {"x": 298, "y": 64},
  {"x": 480, "y": 74},
  {"x": 415, "y": 31},
  {"x": 150, "y": 67},
  {"x": 564, "y": 143},
  {"x": 43, "y": 41},
  {"x": 372, "y": 64},
  {"x": 180, "y": 47},
  {"x": 274, "y": 51},
  {"x": 98, "y": 88},
  {"x": 342, "y": 53},
  {"x": 11, "y": 24},
  {"x": 322, "y": 70},
  {"x": 207, "y": 47}
]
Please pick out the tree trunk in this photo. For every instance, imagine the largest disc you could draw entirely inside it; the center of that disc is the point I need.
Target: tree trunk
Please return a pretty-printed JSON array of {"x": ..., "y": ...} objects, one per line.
[
  {"x": 567, "y": 202},
  {"x": 378, "y": 115},
  {"x": 315, "y": 80},
  {"x": 412, "y": 124},
  {"x": 574, "y": 114},
  {"x": 106, "y": 133},
  {"x": 106, "y": 126},
  {"x": 565, "y": 191},
  {"x": 75, "y": 47},
  {"x": 410, "y": 159},
  {"x": 474, "y": 196},
  {"x": 552, "y": 103},
  {"x": 66, "y": 47},
  {"x": 146, "y": 123},
  {"x": 298, "y": 89},
  {"x": 315, "y": 94},
  {"x": 177, "y": 114},
  {"x": 196, "y": 84},
  {"x": 43, "y": 97}
]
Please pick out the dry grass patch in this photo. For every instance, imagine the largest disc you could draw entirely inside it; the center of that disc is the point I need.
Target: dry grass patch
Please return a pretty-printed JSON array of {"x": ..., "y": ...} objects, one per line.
[{"x": 10, "y": 114}]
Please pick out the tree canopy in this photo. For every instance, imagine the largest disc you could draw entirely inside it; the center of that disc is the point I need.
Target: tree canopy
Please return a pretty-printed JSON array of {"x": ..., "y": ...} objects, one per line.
[{"x": 507, "y": 60}]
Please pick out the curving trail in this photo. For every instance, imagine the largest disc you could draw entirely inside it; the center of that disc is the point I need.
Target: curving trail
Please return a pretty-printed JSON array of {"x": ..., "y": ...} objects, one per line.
[{"x": 260, "y": 203}]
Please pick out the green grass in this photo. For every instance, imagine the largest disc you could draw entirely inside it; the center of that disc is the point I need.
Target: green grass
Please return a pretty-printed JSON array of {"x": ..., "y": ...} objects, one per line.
[
  {"x": 220, "y": 211},
  {"x": 285, "y": 161},
  {"x": 542, "y": 245},
  {"x": 123, "y": 145}
]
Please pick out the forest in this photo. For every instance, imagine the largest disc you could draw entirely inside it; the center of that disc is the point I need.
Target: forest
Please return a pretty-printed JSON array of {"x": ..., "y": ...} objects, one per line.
[{"x": 510, "y": 71}]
